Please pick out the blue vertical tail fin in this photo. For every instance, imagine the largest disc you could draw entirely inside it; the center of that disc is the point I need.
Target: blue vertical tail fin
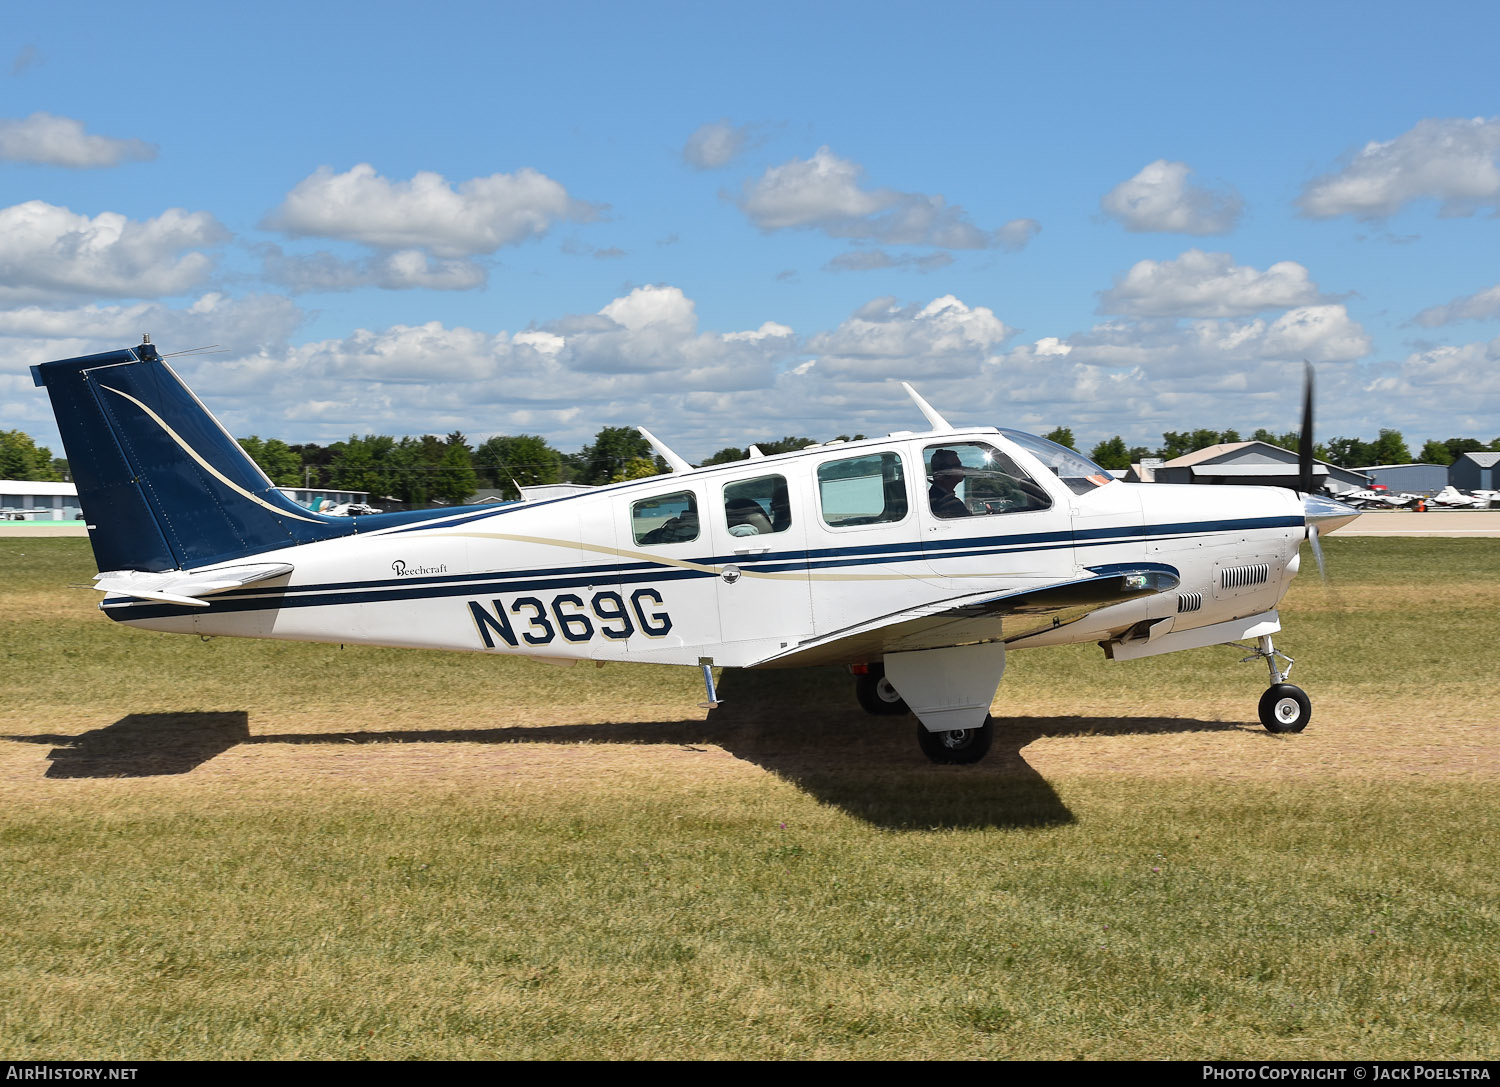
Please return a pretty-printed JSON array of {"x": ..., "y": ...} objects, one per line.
[{"x": 162, "y": 485}]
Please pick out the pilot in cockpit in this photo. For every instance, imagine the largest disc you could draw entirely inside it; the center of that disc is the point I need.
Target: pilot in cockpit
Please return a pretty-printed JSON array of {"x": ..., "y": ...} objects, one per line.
[{"x": 947, "y": 474}]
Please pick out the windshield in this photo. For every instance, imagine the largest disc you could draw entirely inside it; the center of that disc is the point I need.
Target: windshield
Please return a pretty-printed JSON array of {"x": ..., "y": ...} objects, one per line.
[{"x": 1077, "y": 471}]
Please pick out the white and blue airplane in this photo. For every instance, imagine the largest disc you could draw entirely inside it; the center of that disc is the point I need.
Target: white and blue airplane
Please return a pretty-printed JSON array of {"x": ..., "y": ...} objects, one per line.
[{"x": 919, "y": 559}]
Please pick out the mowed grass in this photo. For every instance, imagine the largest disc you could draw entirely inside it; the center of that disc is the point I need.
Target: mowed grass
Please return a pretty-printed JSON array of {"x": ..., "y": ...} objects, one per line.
[{"x": 257, "y": 849}]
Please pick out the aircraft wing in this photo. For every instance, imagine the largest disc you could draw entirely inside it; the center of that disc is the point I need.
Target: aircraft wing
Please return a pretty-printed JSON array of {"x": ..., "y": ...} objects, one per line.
[{"x": 979, "y": 617}]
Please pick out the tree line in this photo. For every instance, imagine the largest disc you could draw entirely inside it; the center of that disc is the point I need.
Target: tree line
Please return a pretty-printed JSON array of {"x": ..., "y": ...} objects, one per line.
[
  {"x": 431, "y": 470},
  {"x": 1389, "y": 447},
  {"x": 22, "y": 458}
]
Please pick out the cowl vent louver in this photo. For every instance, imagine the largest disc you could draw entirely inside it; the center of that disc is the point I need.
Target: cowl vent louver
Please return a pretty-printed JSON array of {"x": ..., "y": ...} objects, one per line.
[{"x": 1237, "y": 577}]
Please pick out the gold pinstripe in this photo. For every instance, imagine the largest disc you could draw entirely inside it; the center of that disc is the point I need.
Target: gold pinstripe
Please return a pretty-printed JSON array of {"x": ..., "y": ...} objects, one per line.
[
  {"x": 682, "y": 564},
  {"x": 190, "y": 451}
]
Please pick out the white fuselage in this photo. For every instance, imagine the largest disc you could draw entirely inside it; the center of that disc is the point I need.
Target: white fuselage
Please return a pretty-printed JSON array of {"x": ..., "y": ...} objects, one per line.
[{"x": 611, "y": 574}]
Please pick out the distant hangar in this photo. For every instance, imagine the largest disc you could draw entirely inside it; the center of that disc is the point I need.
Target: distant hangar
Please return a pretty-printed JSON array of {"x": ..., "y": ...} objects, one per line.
[{"x": 1247, "y": 464}]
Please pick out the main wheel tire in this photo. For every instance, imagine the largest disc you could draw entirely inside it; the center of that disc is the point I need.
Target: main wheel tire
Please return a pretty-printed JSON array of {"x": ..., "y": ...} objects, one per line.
[
  {"x": 1285, "y": 708},
  {"x": 876, "y": 695},
  {"x": 961, "y": 745}
]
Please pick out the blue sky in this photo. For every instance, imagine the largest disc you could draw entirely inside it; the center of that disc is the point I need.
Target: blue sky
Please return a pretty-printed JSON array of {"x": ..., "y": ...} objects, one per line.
[{"x": 728, "y": 223}]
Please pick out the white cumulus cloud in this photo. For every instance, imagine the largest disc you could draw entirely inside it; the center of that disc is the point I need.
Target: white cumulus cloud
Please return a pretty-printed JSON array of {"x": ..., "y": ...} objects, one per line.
[
  {"x": 659, "y": 307},
  {"x": 654, "y": 330},
  {"x": 478, "y": 216},
  {"x": 61, "y": 141},
  {"x": 818, "y": 191},
  {"x": 884, "y": 339},
  {"x": 1324, "y": 333},
  {"x": 47, "y": 252},
  {"x": 824, "y": 193},
  {"x": 1462, "y": 380},
  {"x": 1160, "y": 198},
  {"x": 638, "y": 360},
  {"x": 643, "y": 357},
  {"x": 1202, "y": 349},
  {"x": 1480, "y": 306},
  {"x": 1451, "y": 160},
  {"x": 1199, "y": 284},
  {"x": 237, "y": 324}
]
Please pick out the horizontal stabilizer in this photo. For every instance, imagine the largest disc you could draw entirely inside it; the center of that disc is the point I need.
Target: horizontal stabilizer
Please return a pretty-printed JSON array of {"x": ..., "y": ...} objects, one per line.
[
  {"x": 186, "y": 587},
  {"x": 978, "y": 617}
]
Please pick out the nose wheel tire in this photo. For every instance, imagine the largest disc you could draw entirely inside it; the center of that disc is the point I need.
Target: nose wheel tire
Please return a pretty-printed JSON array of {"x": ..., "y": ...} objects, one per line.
[
  {"x": 876, "y": 695},
  {"x": 1285, "y": 708},
  {"x": 960, "y": 745}
]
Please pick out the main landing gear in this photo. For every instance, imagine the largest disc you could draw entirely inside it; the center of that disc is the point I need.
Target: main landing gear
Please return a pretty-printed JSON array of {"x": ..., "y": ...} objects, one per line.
[
  {"x": 1284, "y": 707},
  {"x": 954, "y": 747}
]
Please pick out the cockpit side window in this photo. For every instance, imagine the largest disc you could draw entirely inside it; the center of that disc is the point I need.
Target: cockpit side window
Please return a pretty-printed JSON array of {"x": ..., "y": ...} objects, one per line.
[
  {"x": 666, "y": 518},
  {"x": 974, "y": 479},
  {"x": 868, "y": 490},
  {"x": 757, "y": 507}
]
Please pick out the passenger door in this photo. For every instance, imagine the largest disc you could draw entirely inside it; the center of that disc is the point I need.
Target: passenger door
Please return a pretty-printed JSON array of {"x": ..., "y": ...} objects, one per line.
[
  {"x": 863, "y": 557},
  {"x": 759, "y": 532}
]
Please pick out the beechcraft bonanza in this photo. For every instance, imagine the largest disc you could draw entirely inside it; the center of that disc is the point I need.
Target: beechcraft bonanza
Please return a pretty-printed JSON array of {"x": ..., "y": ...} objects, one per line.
[{"x": 919, "y": 560}]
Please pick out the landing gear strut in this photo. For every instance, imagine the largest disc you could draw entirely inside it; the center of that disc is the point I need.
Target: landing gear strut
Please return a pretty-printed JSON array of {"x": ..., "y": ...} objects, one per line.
[{"x": 1284, "y": 707}]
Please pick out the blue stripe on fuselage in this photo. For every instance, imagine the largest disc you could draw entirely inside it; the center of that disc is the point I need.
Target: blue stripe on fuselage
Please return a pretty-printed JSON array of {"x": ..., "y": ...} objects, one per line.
[{"x": 334, "y": 594}]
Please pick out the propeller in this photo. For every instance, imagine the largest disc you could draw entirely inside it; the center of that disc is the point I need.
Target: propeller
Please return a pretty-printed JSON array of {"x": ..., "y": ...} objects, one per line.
[
  {"x": 1323, "y": 514},
  {"x": 1305, "y": 439}
]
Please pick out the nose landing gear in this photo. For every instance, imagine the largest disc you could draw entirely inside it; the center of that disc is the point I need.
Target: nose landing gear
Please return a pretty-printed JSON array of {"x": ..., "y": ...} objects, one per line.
[{"x": 1284, "y": 707}]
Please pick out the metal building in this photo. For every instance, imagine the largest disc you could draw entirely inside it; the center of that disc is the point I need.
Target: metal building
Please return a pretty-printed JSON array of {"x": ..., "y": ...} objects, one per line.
[
  {"x": 1253, "y": 464},
  {"x": 1425, "y": 479},
  {"x": 1476, "y": 472},
  {"x": 33, "y": 500}
]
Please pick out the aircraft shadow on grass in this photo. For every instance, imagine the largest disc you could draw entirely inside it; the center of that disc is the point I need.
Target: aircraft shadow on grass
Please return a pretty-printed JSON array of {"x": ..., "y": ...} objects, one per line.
[
  {"x": 145, "y": 745},
  {"x": 801, "y": 726}
]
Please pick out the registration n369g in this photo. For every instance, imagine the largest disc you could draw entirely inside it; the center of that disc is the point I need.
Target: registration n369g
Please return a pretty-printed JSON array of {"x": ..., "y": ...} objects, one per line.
[{"x": 565, "y": 614}]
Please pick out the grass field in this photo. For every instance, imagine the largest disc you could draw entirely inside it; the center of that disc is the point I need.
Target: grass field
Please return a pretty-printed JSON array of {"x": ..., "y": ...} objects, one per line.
[{"x": 256, "y": 849}]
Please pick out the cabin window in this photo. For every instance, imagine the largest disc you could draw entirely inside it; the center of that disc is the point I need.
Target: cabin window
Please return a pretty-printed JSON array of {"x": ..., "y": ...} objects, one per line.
[
  {"x": 974, "y": 479},
  {"x": 868, "y": 490},
  {"x": 757, "y": 507},
  {"x": 666, "y": 518}
]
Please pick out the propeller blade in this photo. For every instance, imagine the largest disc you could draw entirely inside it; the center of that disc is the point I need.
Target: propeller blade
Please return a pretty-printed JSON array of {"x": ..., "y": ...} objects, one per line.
[
  {"x": 1323, "y": 514},
  {"x": 1317, "y": 550},
  {"x": 1305, "y": 440}
]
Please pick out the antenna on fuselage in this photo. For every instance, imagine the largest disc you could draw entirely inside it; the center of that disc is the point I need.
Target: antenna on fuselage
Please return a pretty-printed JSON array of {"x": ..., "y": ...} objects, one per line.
[
  {"x": 936, "y": 421},
  {"x": 755, "y": 453},
  {"x": 677, "y": 463}
]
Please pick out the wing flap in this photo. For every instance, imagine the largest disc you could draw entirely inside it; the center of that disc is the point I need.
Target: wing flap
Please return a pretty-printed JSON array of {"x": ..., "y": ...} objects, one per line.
[{"x": 981, "y": 617}]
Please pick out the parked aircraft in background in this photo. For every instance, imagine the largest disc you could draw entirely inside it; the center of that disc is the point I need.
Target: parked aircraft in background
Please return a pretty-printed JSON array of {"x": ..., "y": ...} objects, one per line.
[
  {"x": 920, "y": 559},
  {"x": 1450, "y": 497},
  {"x": 1381, "y": 499}
]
